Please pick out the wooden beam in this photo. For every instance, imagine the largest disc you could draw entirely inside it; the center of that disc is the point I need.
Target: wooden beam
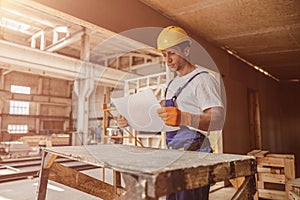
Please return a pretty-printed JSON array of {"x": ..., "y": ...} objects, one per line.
[
  {"x": 82, "y": 182},
  {"x": 25, "y": 59},
  {"x": 105, "y": 32},
  {"x": 116, "y": 180},
  {"x": 49, "y": 160},
  {"x": 7, "y": 71},
  {"x": 65, "y": 42},
  {"x": 43, "y": 181},
  {"x": 246, "y": 190},
  {"x": 43, "y": 178},
  {"x": 205, "y": 176}
]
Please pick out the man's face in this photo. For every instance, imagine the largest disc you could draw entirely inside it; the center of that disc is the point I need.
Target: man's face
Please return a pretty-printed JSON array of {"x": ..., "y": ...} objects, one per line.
[{"x": 174, "y": 58}]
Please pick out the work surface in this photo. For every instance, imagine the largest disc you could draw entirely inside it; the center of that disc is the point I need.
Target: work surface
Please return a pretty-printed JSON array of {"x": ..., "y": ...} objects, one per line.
[
  {"x": 156, "y": 172},
  {"x": 133, "y": 159}
]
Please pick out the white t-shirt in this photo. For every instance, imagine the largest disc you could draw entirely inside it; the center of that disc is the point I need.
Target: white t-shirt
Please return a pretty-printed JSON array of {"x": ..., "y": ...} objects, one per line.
[{"x": 200, "y": 94}]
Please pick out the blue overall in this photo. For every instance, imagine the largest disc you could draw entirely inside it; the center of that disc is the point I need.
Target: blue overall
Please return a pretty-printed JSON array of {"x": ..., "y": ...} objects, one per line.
[{"x": 190, "y": 140}]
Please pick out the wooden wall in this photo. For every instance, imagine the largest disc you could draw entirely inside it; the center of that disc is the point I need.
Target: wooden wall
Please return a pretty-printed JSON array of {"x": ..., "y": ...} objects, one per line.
[
  {"x": 49, "y": 104},
  {"x": 290, "y": 111}
]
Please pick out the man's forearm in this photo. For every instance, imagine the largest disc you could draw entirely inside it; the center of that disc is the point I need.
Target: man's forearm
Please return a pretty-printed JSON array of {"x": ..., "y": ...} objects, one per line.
[{"x": 211, "y": 120}]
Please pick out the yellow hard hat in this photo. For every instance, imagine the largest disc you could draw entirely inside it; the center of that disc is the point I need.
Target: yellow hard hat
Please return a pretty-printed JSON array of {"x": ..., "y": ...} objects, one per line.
[{"x": 171, "y": 36}]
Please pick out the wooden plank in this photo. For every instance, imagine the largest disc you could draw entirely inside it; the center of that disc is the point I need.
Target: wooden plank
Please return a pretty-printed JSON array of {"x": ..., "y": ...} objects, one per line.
[
  {"x": 49, "y": 160},
  {"x": 198, "y": 177},
  {"x": 270, "y": 161},
  {"x": 272, "y": 194},
  {"x": 268, "y": 170},
  {"x": 289, "y": 169},
  {"x": 285, "y": 156},
  {"x": 237, "y": 182},
  {"x": 82, "y": 182},
  {"x": 247, "y": 189},
  {"x": 260, "y": 184},
  {"x": 253, "y": 152},
  {"x": 289, "y": 172},
  {"x": 22, "y": 97},
  {"x": 244, "y": 168},
  {"x": 125, "y": 158},
  {"x": 255, "y": 197},
  {"x": 272, "y": 178},
  {"x": 43, "y": 179},
  {"x": 116, "y": 180},
  {"x": 261, "y": 154},
  {"x": 170, "y": 182}
]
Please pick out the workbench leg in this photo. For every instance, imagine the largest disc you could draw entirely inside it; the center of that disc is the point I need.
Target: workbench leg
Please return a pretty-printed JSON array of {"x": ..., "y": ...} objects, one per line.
[
  {"x": 247, "y": 190},
  {"x": 116, "y": 180},
  {"x": 43, "y": 180}
]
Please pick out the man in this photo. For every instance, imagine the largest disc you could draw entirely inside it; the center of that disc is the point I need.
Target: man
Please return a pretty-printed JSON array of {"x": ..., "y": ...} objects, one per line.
[
  {"x": 192, "y": 101},
  {"x": 99, "y": 132}
]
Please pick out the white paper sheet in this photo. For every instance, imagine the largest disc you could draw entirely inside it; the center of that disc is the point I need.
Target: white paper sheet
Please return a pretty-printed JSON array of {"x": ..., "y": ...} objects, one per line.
[{"x": 140, "y": 110}]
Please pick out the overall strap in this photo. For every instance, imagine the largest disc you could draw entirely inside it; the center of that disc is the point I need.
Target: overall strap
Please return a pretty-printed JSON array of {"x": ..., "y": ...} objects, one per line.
[
  {"x": 168, "y": 87},
  {"x": 181, "y": 88}
]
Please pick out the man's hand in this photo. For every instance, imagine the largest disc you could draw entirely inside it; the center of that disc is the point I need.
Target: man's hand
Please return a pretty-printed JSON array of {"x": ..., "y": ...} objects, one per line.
[
  {"x": 122, "y": 122},
  {"x": 174, "y": 117}
]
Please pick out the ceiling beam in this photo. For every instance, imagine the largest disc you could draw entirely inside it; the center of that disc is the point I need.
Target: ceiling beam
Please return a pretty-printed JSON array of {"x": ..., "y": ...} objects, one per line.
[
  {"x": 21, "y": 58},
  {"x": 65, "y": 42},
  {"x": 7, "y": 71},
  {"x": 104, "y": 32}
]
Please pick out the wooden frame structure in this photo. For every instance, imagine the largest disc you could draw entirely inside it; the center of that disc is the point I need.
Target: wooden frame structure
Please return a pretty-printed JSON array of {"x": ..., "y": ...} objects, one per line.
[
  {"x": 106, "y": 114},
  {"x": 147, "y": 173},
  {"x": 274, "y": 169}
]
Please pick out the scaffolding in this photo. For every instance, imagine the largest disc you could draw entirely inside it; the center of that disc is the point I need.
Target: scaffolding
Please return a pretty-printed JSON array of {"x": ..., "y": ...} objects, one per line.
[{"x": 157, "y": 82}]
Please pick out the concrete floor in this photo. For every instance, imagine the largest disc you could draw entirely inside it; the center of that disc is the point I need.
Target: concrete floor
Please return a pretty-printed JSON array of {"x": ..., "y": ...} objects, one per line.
[
  {"x": 27, "y": 190},
  {"x": 224, "y": 194}
]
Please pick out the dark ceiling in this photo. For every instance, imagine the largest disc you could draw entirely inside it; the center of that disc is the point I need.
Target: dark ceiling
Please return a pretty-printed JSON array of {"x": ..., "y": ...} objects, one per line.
[{"x": 265, "y": 33}]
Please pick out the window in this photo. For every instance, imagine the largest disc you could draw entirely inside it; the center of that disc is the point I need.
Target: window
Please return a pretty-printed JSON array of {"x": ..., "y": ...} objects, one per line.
[
  {"x": 19, "y": 89},
  {"x": 19, "y": 108},
  {"x": 17, "y": 128}
]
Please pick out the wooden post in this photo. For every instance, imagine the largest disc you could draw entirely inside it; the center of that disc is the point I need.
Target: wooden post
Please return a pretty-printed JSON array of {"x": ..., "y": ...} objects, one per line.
[
  {"x": 44, "y": 174},
  {"x": 116, "y": 180},
  {"x": 104, "y": 124}
]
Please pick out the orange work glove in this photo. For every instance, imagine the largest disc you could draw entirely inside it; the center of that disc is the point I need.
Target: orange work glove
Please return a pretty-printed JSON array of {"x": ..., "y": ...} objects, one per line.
[{"x": 174, "y": 117}]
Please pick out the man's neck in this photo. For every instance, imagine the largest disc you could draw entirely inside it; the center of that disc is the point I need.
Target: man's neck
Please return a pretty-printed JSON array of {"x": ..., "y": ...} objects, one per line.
[{"x": 186, "y": 69}]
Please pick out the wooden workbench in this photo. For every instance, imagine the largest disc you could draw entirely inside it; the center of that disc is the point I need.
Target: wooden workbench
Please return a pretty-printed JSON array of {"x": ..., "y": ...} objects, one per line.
[{"x": 147, "y": 173}]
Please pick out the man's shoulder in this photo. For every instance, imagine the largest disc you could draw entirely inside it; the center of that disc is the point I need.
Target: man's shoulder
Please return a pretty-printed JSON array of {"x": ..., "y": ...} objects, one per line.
[
  {"x": 200, "y": 69},
  {"x": 199, "y": 73}
]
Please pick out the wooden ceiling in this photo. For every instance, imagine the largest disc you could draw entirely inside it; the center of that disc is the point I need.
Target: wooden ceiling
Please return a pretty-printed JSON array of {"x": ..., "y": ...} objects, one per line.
[
  {"x": 265, "y": 33},
  {"x": 37, "y": 27}
]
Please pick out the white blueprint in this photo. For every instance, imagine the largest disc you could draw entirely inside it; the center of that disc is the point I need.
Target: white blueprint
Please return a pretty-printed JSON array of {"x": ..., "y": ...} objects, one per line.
[{"x": 140, "y": 110}]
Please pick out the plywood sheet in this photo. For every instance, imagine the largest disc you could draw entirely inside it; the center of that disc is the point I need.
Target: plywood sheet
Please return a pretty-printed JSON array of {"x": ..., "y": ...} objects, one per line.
[{"x": 145, "y": 160}]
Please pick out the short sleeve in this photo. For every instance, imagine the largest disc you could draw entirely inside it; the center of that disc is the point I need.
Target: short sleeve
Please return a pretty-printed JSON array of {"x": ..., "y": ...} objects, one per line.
[{"x": 208, "y": 92}]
